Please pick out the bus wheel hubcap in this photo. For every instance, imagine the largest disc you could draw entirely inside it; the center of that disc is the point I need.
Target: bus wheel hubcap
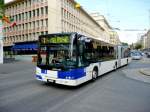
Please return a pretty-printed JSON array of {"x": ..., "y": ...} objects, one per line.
[{"x": 94, "y": 75}]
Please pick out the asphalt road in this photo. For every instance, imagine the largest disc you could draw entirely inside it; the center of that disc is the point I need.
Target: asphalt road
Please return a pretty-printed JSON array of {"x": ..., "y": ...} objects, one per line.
[{"x": 113, "y": 92}]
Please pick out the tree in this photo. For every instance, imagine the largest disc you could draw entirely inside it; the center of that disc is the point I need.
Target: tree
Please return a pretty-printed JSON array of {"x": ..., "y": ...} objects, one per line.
[
  {"x": 1, "y": 6},
  {"x": 138, "y": 46},
  {"x": 125, "y": 44}
]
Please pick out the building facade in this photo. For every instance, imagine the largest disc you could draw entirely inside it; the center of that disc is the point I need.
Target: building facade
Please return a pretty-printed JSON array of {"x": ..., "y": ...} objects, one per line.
[
  {"x": 31, "y": 18},
  {"x": 145, "y": 40},
  {"x": 102, "y": 22},
  {"x": 109, "y": 35},
  {"x": 37, "y": 17},
  {"x": 148, "y": 40},
  {"x": 114, "y": 38}
]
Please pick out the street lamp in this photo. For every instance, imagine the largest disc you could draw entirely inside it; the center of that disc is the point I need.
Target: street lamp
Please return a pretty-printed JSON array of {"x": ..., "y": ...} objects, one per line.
[
  {"x": 1, "y": 31},
  {"x": 1, "y": 43}
]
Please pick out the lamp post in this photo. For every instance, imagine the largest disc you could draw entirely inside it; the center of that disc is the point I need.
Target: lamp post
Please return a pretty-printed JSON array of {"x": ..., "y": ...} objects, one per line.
[
  {"x": 1, "y": 43},
  {"x": 1, "y": 30}
]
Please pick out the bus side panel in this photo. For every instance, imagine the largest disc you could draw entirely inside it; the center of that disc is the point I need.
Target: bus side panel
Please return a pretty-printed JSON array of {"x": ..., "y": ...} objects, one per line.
[
  {"x": 88, "y": 70},
  {"x": 123, "y": 61},
  {"x": 107, "y": 66}
]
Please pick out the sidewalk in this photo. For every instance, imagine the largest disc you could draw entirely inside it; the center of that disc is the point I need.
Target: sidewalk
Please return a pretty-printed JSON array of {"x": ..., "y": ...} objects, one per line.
[
  {"x": 137, "y": 75},
  {"x": 145, "y": 60},
  {"x": 145, "y": 71}
]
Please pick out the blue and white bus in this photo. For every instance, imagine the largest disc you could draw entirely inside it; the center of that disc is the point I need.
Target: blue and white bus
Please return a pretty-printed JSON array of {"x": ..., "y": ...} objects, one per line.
[{"x": 72, "y": 59}]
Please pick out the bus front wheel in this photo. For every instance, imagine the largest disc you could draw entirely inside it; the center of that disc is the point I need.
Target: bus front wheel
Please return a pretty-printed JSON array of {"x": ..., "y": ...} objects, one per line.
[{"x": 94, "y": 74}]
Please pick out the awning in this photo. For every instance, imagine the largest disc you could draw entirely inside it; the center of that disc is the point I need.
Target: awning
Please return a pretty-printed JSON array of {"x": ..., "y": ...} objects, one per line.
[
  {"x": 7, "y": 48},
  {"x": 25, "y": 46}
]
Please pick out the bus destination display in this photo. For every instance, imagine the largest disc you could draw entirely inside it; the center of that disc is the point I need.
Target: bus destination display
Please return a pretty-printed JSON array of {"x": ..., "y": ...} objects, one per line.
[{"x": 55, "y": 40}]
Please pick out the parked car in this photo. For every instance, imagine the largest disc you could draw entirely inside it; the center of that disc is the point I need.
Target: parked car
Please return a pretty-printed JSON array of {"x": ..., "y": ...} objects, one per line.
[
  {"x": 136, "y": 56},
  {"x": 147, "y": 54}
]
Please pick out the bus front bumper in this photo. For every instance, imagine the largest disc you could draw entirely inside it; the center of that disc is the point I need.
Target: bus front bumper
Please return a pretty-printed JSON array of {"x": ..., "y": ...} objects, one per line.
[{"x": 68, "y": 82}]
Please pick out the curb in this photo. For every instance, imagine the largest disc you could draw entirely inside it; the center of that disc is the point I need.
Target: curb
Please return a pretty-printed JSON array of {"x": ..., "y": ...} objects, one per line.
[{"x": 144, "y": 72}]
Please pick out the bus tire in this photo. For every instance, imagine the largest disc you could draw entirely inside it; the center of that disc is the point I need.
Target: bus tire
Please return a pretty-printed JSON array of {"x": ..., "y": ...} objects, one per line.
[
  {"x": 127, "y": 61},
  {"x": 94, "y": 74}
]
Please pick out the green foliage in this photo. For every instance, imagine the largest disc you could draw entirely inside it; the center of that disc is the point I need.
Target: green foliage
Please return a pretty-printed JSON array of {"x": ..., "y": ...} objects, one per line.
[
  {"x": 1, "y": 7},
  {"x": 125, "y": 44},
  {"x": 1, "y": 16},
  {"x": 11, "y": 19},
  {"x": 138, "y": 46}
]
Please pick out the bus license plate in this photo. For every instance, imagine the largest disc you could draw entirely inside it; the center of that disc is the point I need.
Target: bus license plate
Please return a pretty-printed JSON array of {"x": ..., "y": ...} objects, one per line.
[{"x": 50, "y": 80}]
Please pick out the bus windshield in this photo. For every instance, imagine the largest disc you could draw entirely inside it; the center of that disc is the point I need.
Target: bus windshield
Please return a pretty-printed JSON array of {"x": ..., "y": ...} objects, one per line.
[{"x": 56, "y": 56}]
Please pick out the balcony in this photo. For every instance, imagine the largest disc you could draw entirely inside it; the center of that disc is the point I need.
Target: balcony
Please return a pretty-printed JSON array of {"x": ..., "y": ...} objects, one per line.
[
  {"x": 34, "y": 30},
  {"x": 22, "y": 31},
  {"x": 33, "y": 7},
  {"x": 41, "y": 16},
  {"x": 26, "y": 9},
  {"x": 38, "y": 29},
  {"x": 19, "y": 22},
  {"x": 46, "y": 16},
  {"x": 43, "y": 28},
  {"x": 42, "y": 4},
  {"x": 37, "y": 5},
  {"x": 21, "y": 10},
  {"x": 25, "y": 31},
  {"x": 46, "y": 3},
  {"x": 25, "y": 20},
  {"x": 30, "y": 31}
]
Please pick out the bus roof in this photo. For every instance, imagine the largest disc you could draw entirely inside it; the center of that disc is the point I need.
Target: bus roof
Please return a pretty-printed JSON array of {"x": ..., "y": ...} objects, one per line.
[
  {"x": 71, "y": 33},
  {"x": 66, "y": 33}
]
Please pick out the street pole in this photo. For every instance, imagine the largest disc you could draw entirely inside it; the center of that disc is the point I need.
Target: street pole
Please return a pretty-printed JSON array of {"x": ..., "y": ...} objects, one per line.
[
  {"x": 149, "y": 17},
  {"x": 1, "y": 42},
  {"x": 1, "y": 30}
]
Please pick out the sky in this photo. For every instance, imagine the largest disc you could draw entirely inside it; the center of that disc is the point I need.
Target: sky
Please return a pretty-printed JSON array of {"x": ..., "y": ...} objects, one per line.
[{"x": 122, "y": 14}]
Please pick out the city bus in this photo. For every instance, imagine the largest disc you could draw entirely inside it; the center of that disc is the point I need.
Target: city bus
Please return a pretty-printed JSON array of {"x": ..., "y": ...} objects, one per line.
[{"x": 72, "y": 59}]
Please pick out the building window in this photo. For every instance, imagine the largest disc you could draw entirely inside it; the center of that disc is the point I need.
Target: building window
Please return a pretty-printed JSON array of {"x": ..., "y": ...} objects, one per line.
[
  {"x": 41, "y": 22},
  {"x": 26, "y": 26},
  {"x": 33, "y": 24},
  {"x": 46, "y": 9},
  {"x": 30, "y": 25},
  {"x": 23, "y": 26},
  {"x": 30, "y": 2},
  {"x": 42, "y": 33},
  {"x": 22, "y": 15},
  {"x": 26, "y": 3},
  {"x": 30, "y": 14},
  {"x": 42, "y": 11},
  {"x": 33, "y": 13},
  {"x": 37, "y": 12},
  {"x": 19, "y": 16},
  {"x": 46, "y": 22},
  {"x": 37, "y": 23},
  {"x": 26, "y": 15}
]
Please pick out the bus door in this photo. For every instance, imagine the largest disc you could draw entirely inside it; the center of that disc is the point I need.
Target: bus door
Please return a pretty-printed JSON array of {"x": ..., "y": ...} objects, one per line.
[{"x": 119, "y": 55}]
